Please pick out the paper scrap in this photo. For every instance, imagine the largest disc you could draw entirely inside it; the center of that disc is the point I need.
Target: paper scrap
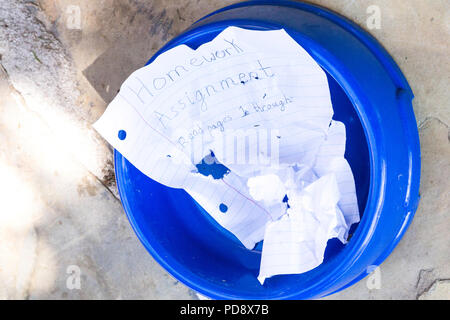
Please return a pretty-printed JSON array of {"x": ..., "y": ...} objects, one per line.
[
  {"x": 254, "y": 102},
  {"x": 296, "y": 242}
]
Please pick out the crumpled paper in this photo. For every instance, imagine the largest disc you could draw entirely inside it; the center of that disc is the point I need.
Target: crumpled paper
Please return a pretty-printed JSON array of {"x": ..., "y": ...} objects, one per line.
[{"x": 257, "y": 106}]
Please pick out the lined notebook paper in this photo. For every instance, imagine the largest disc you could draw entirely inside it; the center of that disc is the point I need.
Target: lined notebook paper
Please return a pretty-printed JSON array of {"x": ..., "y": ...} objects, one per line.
[{"x": 256, "y": 102}]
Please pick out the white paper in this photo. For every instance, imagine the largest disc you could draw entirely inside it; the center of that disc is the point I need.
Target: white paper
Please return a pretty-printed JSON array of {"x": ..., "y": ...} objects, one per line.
[
  {"x": 254, "y": 91},
  {"x": 296, "y": 242}
]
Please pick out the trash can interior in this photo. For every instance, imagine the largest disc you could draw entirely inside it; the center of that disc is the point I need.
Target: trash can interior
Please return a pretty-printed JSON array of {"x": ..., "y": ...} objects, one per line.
[{"x": 198, "y": 250}]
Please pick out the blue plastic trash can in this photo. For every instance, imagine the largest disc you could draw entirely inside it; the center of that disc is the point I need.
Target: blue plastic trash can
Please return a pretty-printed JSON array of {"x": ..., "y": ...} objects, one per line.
[{"x": 369, "y": 94}]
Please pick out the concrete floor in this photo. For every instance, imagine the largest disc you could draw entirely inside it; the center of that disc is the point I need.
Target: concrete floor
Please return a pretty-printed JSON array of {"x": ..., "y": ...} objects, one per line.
[{"x": 60, "y": 216}]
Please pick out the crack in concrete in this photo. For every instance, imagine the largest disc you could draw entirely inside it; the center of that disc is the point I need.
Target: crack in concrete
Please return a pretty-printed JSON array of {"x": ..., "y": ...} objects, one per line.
[
  {"x": 434, "y": 283},
  {"x": 426, "y": 280},
  {"x": 422, "y": 272},
  {"x": 2, "y": 68},
  {"x": 103, "y": 184},
  {"x": 422, "y": 124},
  {"x": 27, "y": 293}
]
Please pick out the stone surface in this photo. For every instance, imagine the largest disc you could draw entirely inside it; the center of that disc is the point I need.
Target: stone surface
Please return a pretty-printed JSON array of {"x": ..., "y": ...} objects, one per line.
[
  {"x": 59, "y": 205},
  {"x": 38, "y": 66},
  {"x": 440, "y": 290},
  {"x": 55, "y": 214}
]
